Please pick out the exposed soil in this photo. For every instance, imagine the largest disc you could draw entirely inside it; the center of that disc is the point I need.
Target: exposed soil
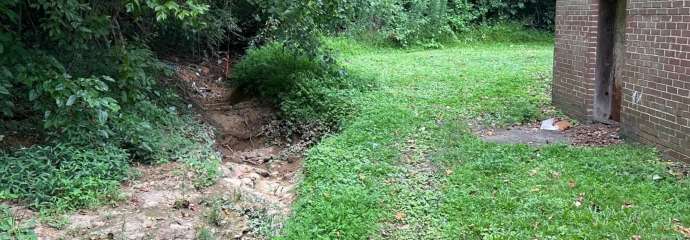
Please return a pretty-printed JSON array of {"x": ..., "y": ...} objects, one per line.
[
  {"x": 591, "y": 135},
  {"x": 11, "y": 138},
  {"x": 595, "y": 135},
  {"x": 524, "y": 135},
  {"x": 249, "y": 201},
  {"x": 680, "y": 170}
]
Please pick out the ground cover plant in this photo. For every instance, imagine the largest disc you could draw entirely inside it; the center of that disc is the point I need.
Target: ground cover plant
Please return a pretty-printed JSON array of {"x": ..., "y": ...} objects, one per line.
[
  {"x": 67, "y": 176},
  {"x": 408, "y": 166}
]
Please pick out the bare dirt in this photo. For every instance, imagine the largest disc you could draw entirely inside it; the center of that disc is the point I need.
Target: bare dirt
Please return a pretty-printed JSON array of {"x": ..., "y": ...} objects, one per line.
[
  {"x": 596, "y": 135},
  {"x": 591, "y": 135},
  {"x": 250, "y": 200}
]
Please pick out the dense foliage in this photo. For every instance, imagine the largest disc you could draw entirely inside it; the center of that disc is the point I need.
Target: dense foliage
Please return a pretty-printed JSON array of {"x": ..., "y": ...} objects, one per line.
[
  {"x": 415, "y": 22},
  {"x": 79, "y": 77},
  {"x": 307, "y": 91},
  {"x": 83, "y": 61}
]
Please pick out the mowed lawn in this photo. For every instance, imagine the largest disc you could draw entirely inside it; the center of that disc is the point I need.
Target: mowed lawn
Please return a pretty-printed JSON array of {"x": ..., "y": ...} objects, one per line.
[{"x": 407, "y": 166}]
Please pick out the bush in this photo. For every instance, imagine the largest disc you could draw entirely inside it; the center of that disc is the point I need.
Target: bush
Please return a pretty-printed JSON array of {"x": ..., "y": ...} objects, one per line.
[
  {"x": 273, "y": 70},
  {"x": 305, "y": 90},
  {"x": 505, "y": 32},
  {"x": 433, "y": 22}
]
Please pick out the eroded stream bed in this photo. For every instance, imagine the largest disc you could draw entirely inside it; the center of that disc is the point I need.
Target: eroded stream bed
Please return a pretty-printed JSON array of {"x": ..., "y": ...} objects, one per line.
[{"x": 250, "y": 200}]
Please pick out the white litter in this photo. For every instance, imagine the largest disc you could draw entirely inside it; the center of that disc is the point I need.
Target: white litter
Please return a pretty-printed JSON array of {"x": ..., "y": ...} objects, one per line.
[{"x": 549, "y": 125}]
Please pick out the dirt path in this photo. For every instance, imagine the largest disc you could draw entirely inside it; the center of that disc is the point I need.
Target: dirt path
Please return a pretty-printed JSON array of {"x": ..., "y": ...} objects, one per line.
[{"x": 249, "y": 201}]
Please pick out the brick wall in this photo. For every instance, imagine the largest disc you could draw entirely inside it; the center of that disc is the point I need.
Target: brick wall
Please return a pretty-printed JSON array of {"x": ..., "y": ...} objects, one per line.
[
  {"x": 575, "y": 56},
  {"x": 656, "y": 105}
]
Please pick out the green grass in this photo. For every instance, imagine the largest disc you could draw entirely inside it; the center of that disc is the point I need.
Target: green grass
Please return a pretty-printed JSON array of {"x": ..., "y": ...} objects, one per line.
[{"x": 407, "y": 166}]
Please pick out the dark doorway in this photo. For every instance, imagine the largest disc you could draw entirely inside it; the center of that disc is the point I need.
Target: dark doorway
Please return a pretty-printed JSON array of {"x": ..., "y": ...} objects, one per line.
[{"x": 608, "y": 94}]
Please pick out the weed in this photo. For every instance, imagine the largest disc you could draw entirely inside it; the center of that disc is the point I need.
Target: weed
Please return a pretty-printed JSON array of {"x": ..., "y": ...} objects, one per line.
[
  {"x": 261, "y": 222},
  {"x": 60, "y": 177},
  {"x": 505, "y": 32},
  {"x": 306, "y": 90},
  {"x": 11, "y": 228},
  {"x": 182, "y": 203},
  {"x": 57, "y": 221},
  {"x": 63, "y": 177},
  {"x": 204, "y": 234},
  {"x": 214, "y": 214}
]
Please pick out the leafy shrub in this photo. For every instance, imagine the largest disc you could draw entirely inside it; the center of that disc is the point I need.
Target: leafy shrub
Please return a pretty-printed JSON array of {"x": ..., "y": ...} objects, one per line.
[
  {"x": 433, "y": 22},
  {"x": 306, "y": 90},
  {"x": 323, "y": 99},
  {"x": 504, "y": 32},
  {"x": 272, "y": 70}
]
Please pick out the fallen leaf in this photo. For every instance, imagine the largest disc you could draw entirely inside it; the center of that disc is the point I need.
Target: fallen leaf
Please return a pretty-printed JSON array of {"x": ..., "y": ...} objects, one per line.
[
  {"x": 400, "y": 216},
  {"x": 580, "y": 199},
  {"x": 563, "y": 125},
  {"x": 685, "y": 231},
  {"x": 572, "y": 183},
  {"x": 627, "y": 205},
  {"x": 536, "y": 189},
  {"x": 449, "y": 172},
  {"x": 533, "y": 172},
  {"x": 556, "y": 174},
  {"x": 636, "y": 237}
]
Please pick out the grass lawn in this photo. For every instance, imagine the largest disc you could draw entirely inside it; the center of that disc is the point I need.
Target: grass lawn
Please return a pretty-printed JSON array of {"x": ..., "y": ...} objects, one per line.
[{"x": 408, "y": 167}]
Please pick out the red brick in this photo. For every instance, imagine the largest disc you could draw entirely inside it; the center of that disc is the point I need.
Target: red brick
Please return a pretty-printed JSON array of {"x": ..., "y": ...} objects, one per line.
[{"x": 657, "y": 66}]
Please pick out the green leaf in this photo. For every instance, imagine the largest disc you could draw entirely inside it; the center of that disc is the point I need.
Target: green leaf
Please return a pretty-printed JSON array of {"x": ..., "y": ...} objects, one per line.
[
  {"x": 71, "y": 100},
  {"x": 4, "y": 90},
  {"x": 102, "y": 116},
  {"x": 33, "y": 95}
]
